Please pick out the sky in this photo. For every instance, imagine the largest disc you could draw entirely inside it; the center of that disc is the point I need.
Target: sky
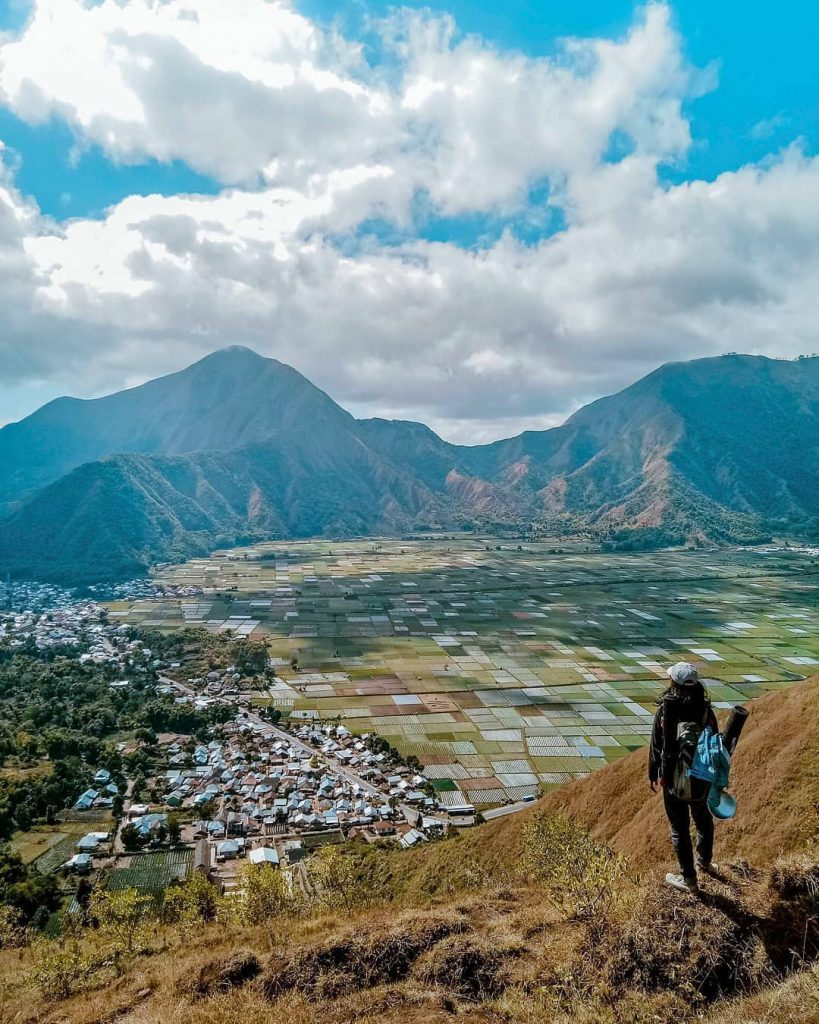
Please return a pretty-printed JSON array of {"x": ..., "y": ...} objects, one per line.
[{"x": 473, "y": 214}]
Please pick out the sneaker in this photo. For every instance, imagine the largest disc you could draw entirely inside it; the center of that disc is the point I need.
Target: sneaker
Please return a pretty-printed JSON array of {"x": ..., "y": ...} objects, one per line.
[
  {"x": 682, "y": 883},
  {"x": 710, "y": 868}
]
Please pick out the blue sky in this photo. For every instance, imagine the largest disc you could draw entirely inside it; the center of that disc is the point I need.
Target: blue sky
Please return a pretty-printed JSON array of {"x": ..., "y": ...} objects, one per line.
[
  {"x": 483, "y": 232},
  {"x": 767, "y": 95}
]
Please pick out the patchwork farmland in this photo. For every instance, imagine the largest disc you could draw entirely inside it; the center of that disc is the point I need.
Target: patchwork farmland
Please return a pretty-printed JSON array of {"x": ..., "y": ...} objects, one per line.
[{"x": 505, "y": 669}]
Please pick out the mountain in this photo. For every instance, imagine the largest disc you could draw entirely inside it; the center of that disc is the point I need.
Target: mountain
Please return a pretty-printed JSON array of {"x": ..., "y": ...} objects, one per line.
[
  {"x": 230, "y": 399},
  {"x": 239, "y": 447},
  {"x": 112, "y": 518}
]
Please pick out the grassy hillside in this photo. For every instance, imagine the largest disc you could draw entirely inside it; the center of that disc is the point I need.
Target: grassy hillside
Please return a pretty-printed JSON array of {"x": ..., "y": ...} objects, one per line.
[
  {"x": 469, "y": 930},
  {"x": 774, "y": 777}
]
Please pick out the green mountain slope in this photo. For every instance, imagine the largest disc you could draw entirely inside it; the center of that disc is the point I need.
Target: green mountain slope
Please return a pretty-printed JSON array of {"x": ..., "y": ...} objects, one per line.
[
  {"x": 230, "y": 399},
  {"x": 238, "y": 446},
  {"x": 115, "y": 517}
]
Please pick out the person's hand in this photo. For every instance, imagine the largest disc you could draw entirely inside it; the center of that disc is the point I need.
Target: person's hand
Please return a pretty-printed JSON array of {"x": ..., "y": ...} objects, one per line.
[{"x": 656, "y": 784}]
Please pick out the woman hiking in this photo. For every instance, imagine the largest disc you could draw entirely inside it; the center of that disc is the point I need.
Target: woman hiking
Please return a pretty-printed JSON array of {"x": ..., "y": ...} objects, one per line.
[{"x": 684, "y": 711}]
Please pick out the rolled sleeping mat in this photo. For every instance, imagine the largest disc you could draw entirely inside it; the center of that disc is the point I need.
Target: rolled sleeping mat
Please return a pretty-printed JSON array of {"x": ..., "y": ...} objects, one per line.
[{"x": 733, "y": 727}]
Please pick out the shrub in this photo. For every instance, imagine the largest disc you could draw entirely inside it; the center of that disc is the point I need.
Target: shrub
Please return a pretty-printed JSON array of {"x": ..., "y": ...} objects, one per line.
[
  {"x": 578, "y": 873},
  {"x": 466, "y": 964}
]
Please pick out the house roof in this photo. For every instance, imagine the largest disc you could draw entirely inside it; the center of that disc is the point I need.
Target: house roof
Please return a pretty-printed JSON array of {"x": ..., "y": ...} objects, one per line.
[{"x": 264, "y": 855}]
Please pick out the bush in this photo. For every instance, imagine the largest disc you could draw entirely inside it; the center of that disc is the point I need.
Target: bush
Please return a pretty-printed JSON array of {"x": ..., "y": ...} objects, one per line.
[
  {"x": 466, "y": 964},
  {"x": 223, "y": 974},
  {"x": 578, "y": 873}
]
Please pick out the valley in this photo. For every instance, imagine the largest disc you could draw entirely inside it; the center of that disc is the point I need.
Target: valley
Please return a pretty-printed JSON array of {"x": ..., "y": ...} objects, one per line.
[{"x": 506, "y": 668}]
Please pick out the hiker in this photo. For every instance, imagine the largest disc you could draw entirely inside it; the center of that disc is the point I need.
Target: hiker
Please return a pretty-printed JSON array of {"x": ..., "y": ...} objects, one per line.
[{"x": 684, "y": 710}]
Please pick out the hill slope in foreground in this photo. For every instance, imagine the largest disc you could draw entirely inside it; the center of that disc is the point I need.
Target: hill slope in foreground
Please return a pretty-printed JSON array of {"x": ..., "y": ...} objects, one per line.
[{"x": 461, "y": 932}]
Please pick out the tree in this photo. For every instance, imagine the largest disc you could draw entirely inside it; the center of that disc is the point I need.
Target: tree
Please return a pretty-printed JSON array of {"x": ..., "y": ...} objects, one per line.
[
  {"x": 336, "y": 878},
  {"x": 122, "y": 917},
  {"x": 174, "y": 830},
  {"x": 132, "y": 838},
  {"x": 250, "y": 657},
  {"x": 193, "y": 902},
  {"x": 263, "y": 895}
]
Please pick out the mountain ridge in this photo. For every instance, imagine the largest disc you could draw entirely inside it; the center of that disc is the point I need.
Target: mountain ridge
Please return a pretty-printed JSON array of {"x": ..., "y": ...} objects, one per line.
[{"x": 239, "y": 447}]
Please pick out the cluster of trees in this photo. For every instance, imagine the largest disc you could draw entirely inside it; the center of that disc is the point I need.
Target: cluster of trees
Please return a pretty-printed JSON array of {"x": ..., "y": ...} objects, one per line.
[
  {"x": 164, "y": 715},
  {"x": 27, "y": 897},
  {"x": 56, "y": 716},
  {"x": 133, "y": 839},
  {"x": 45, "y": 698},
  {"x": 378, "y": 745},
  {"x": 28, "y": 797}
]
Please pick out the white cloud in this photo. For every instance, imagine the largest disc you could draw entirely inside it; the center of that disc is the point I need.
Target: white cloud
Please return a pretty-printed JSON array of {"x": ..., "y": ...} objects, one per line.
[{"x": 477, "y": 343}]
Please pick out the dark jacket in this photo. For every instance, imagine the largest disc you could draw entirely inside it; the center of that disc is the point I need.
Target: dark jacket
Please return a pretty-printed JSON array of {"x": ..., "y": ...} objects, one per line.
[{"x": 675, "y": 706}]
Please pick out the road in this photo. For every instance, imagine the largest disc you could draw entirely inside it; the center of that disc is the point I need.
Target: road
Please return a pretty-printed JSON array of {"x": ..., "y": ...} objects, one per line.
[
  {"x": 500, "y": 812},
  {"x": 126, "y": 807}
]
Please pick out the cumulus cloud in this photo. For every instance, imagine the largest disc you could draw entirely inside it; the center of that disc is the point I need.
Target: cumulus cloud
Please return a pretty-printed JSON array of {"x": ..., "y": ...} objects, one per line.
[{"x": 313, "y": 145}]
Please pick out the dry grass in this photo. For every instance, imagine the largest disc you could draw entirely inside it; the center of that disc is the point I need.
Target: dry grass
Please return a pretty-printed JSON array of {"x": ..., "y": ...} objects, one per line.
[
  {"x": 467, "y": 937},
  {"x": 775, "y": 778}
]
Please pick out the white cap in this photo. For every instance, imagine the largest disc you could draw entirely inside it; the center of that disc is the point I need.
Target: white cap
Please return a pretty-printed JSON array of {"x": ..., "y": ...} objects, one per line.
[{"x": 683, "y": 674}]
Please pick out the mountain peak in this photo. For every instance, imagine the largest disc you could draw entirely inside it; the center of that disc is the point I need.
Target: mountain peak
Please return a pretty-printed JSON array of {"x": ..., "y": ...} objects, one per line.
[{"x": 236, "y": 352}]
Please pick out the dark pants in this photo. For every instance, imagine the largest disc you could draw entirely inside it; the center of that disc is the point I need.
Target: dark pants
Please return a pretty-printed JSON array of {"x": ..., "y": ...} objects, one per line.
[{"x": 677, "y": 812}]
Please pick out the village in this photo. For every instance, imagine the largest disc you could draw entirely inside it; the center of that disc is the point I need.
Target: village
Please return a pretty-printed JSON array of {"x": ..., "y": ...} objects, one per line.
[{"x": 258, "y": 794}]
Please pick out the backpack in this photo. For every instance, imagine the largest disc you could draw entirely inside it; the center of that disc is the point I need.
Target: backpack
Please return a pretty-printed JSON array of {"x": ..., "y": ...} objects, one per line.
[
  {"x": 691, "y": 737},
  {"x": 712, "y": 762}
]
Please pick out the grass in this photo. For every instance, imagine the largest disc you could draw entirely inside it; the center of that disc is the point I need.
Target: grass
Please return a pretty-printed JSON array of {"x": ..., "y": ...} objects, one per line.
[{"x": 497, "y": 953}]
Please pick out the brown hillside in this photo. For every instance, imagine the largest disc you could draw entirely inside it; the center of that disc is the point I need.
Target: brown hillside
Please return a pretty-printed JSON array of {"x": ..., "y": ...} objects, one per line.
[
  {"x": 458, "y": 933},
  {"x": 775, "y": 779}
]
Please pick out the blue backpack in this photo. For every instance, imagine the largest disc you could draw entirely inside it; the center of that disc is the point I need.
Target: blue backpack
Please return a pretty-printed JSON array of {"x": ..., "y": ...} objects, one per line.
[{"x": 711, "y": 761}]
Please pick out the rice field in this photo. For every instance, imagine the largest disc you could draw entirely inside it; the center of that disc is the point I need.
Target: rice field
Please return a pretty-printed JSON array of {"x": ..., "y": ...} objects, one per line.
[
  {"x": 505, "y": 668},
  {"x": 151, "y": 873}
]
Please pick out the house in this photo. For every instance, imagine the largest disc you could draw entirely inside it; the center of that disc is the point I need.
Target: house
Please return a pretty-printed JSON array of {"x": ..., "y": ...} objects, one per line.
[
  {"x": 411, "y": 838},
  {"x": 227, "y": 850},
  {"x": 264, "y": 855},
  {"x": 148, "y": 823},
  {"x": 102, "y": 777},
  {"x": 383, "y": 828},
  {"x": 85, "y": 801},
  {"x": 91, "y": 841},
  {"x": 80, "y": 862}
]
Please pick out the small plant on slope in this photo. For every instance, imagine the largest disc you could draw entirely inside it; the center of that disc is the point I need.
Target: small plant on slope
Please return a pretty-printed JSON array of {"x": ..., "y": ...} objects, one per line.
[{"x": 578, "y": 874}]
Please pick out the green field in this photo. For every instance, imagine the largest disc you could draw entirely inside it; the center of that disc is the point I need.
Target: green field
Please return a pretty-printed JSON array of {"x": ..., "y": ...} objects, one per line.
[
  {"x": 151, "y": 873},
  {"x": 504, "y": 668}
]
